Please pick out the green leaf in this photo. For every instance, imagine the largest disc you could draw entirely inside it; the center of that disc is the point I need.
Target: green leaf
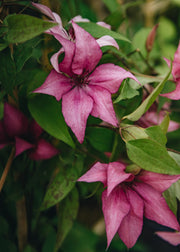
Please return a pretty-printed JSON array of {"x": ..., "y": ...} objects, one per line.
[
  {"x": 134, "y": 116},
  {"x": 47, "y": 112},
  {"x": 156, "y": 134},
  {"x": 98, "y": 31},
  {"x": 112, "y": 5},
  {"x": 139, "y": 40},
  {"x": 61, "y": 185},
  {"x": 175, "y": 156},
  {"x": 67, "y": 212},
  {"x": 165, "y": 124},
  {"x": 24, "y": 27},
  {"x": 127, "y": 92},
  {"x": 151, "y": 156},
  {"x": 131, "y": 132}
]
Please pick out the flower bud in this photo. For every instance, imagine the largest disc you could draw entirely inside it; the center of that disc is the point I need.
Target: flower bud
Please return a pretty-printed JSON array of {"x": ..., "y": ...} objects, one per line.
[{"x": 150, "y": 38}]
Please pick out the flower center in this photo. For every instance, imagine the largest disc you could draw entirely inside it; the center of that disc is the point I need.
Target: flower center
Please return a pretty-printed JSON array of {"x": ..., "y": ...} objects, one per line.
[{"x": 80, "y": 80}]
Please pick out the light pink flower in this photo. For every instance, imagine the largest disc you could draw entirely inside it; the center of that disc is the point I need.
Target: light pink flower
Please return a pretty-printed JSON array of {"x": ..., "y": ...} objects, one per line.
[
  {"x": 84, "y": 88},
  {"x": 171, "y": 237},
  {"x": 103, "y": 41},
  {"x": 175, "y": 94},
  {"x": 15, "y": 129},
  {"x": 129, "y": 197}
]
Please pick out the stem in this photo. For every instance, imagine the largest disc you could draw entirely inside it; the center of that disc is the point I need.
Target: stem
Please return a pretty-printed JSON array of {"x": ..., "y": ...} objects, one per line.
[
  {"x": 22, "y": 227},
  {"x": 6, "y": 169}
]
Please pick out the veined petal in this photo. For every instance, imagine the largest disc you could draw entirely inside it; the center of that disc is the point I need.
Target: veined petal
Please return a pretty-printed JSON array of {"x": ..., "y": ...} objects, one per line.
[
  {"x": 107, "y": 41},
  {"x": 43, "y": 150},
  {"x": 56, "y": 84},
  {"x": 22, "y": 145},
  {"x": 15, "y": 122},
  {"x": 87, "y": 51},
  {"x": 115, "y": 208},
  {"x": 116, "y": 175},
  {"x": 69, "y": 49},
  {"x": 109, "y": 76},
  {"x": 131, "y": 225},
  {"x": 171, "y": 237},
  {"x": 102, "y": 107},
  {"x": 98, "y": 172},
  {"x": 155, "y": 206},
  {"x": 160, "y": 182},
  {"x": 76, "y": 107},
  {"x": 175, "y": 94}
]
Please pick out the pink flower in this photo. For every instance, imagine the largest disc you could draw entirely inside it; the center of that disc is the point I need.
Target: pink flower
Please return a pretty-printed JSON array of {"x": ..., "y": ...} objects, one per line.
[
  {"x": 83, "y": 88},
  {"x": 16, "y": 129},
  {"x": 175, "y": 94},
  {"x": 103, "y": 41},
  {"x": 171, "y": 237},
  {"x": 129, "y": 197}
]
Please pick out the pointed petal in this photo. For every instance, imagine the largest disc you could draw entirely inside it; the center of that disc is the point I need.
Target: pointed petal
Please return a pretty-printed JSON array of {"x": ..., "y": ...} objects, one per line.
[
  {"x": 160, "y": 182},
  {"x": 56, "y": 84},
  {"x": 43, "y": 150},
  {"x": 22, "y": 145},
  {"x": 103, "y": 24},
  {"x": 79, "y": 19},
  {"x": 35, "y": 130},
  {"x": 87, "y": 51},
  {"x": 116, "y": 175},
  {"x": 155, "y": 206},
  {"x": 69, "y": 49},
  {"x": 171, "y": 237},
  {"x": 76, "y": 107},
  {"x": 131, "y": 225},
  {"x": 109, "y": 76},
  {"x": 15, "y": 122},
  {"x": 115, "y": 208},
  {"x": 175, "y": 94},
  {"x": 103, "y": 107},
  {"x": 44, "y": 9},
  {"x": 98, "y": 172},
  {"x": 107, "y": 41},
  {"x": 54, "y": 59}
]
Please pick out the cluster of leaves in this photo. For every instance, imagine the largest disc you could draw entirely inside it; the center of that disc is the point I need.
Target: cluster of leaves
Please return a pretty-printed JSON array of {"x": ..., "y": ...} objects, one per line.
[{"x": 47, "y": 190}]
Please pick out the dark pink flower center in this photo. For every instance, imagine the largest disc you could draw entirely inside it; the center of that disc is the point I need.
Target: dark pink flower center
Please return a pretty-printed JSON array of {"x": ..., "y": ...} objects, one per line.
[{"x": 80, "y": 80}]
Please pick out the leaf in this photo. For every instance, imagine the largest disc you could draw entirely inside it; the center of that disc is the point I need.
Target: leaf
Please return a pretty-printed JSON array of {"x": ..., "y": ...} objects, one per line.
[
  {"x": 112, "y": 5},
  {"x": 62, "y": 184},
  {"x": 134, "y": 116},
  {"x": 156, "y": 134},
  {"x": 131, "y": 132},
  {"x": 127, "y": 92},
  {"x": 139, "y": 40},
  {"x": 67, "y": 212},
  {"x": 47, "y": 112},
  {"x": 98, "y": 31},
  {"x": 151, "y": 156},
  {"x": 165, "y": 124},
  {"x": 21, "y": 28}
]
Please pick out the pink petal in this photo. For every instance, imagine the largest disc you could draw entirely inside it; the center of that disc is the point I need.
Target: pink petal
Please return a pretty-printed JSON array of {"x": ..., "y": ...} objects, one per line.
[
  {"x": 103, "y": 24},
  {"x": 109, "y": 76},
  {"x": 87, "y": 51},
  {"x": 107, "y": 41},
  {"x": 43, "y": 150},
  {"x": 56, "y": 84},
  {"x": 69, "y": 49},
  {"x": 155, "y": 206},
  {"x": 131, "y": 225},
  {"x": 54, "y": 59},
  {"x": 98, "y": 172},
  {"x": 15, "y": 122},
  {"x": 177, "y": 55},
  {"x": 115, "y": 208},
  {"x": 102, "y": 107},
  {"x": 79, "y": 19},
  {"x": 44, "y": 9},
  {"x": 175, "y": 94},
  {"x": 160, "y": 182},
  {"x": 171, "y": 237},
  {"x": 76, "y": 107},
  {"x": 35, "y": 130},
  {"x": 116, "y": 175},
  {"x": 22, "y": 145}
]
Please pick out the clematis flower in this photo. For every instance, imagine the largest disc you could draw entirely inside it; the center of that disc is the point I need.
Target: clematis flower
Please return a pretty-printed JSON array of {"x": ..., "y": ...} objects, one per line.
[
  {"x": 103, "y": 41},
  {"x": 171, "y": 237},
  {"x": 84, "y": 88},
  {"x": 175, "y": 94},
  {"x": 17, "y": 130},
  {"x": 129, "y": 197}
]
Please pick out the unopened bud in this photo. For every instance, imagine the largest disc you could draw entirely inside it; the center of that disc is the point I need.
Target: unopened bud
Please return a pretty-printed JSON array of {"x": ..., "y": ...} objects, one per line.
[{"x": 150, "y": 38}]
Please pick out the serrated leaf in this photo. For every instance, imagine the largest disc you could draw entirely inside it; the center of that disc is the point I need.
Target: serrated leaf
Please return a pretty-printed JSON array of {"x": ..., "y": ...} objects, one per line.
[
  {"x": 98, "y": 31},
  {"x": 151, "y": 156},
  {"x": 21, "y": 27},
  {"x": 47, "y": 112},
  {"x": 136, "y": 115},
  {"x": 67, "y": 212}
]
